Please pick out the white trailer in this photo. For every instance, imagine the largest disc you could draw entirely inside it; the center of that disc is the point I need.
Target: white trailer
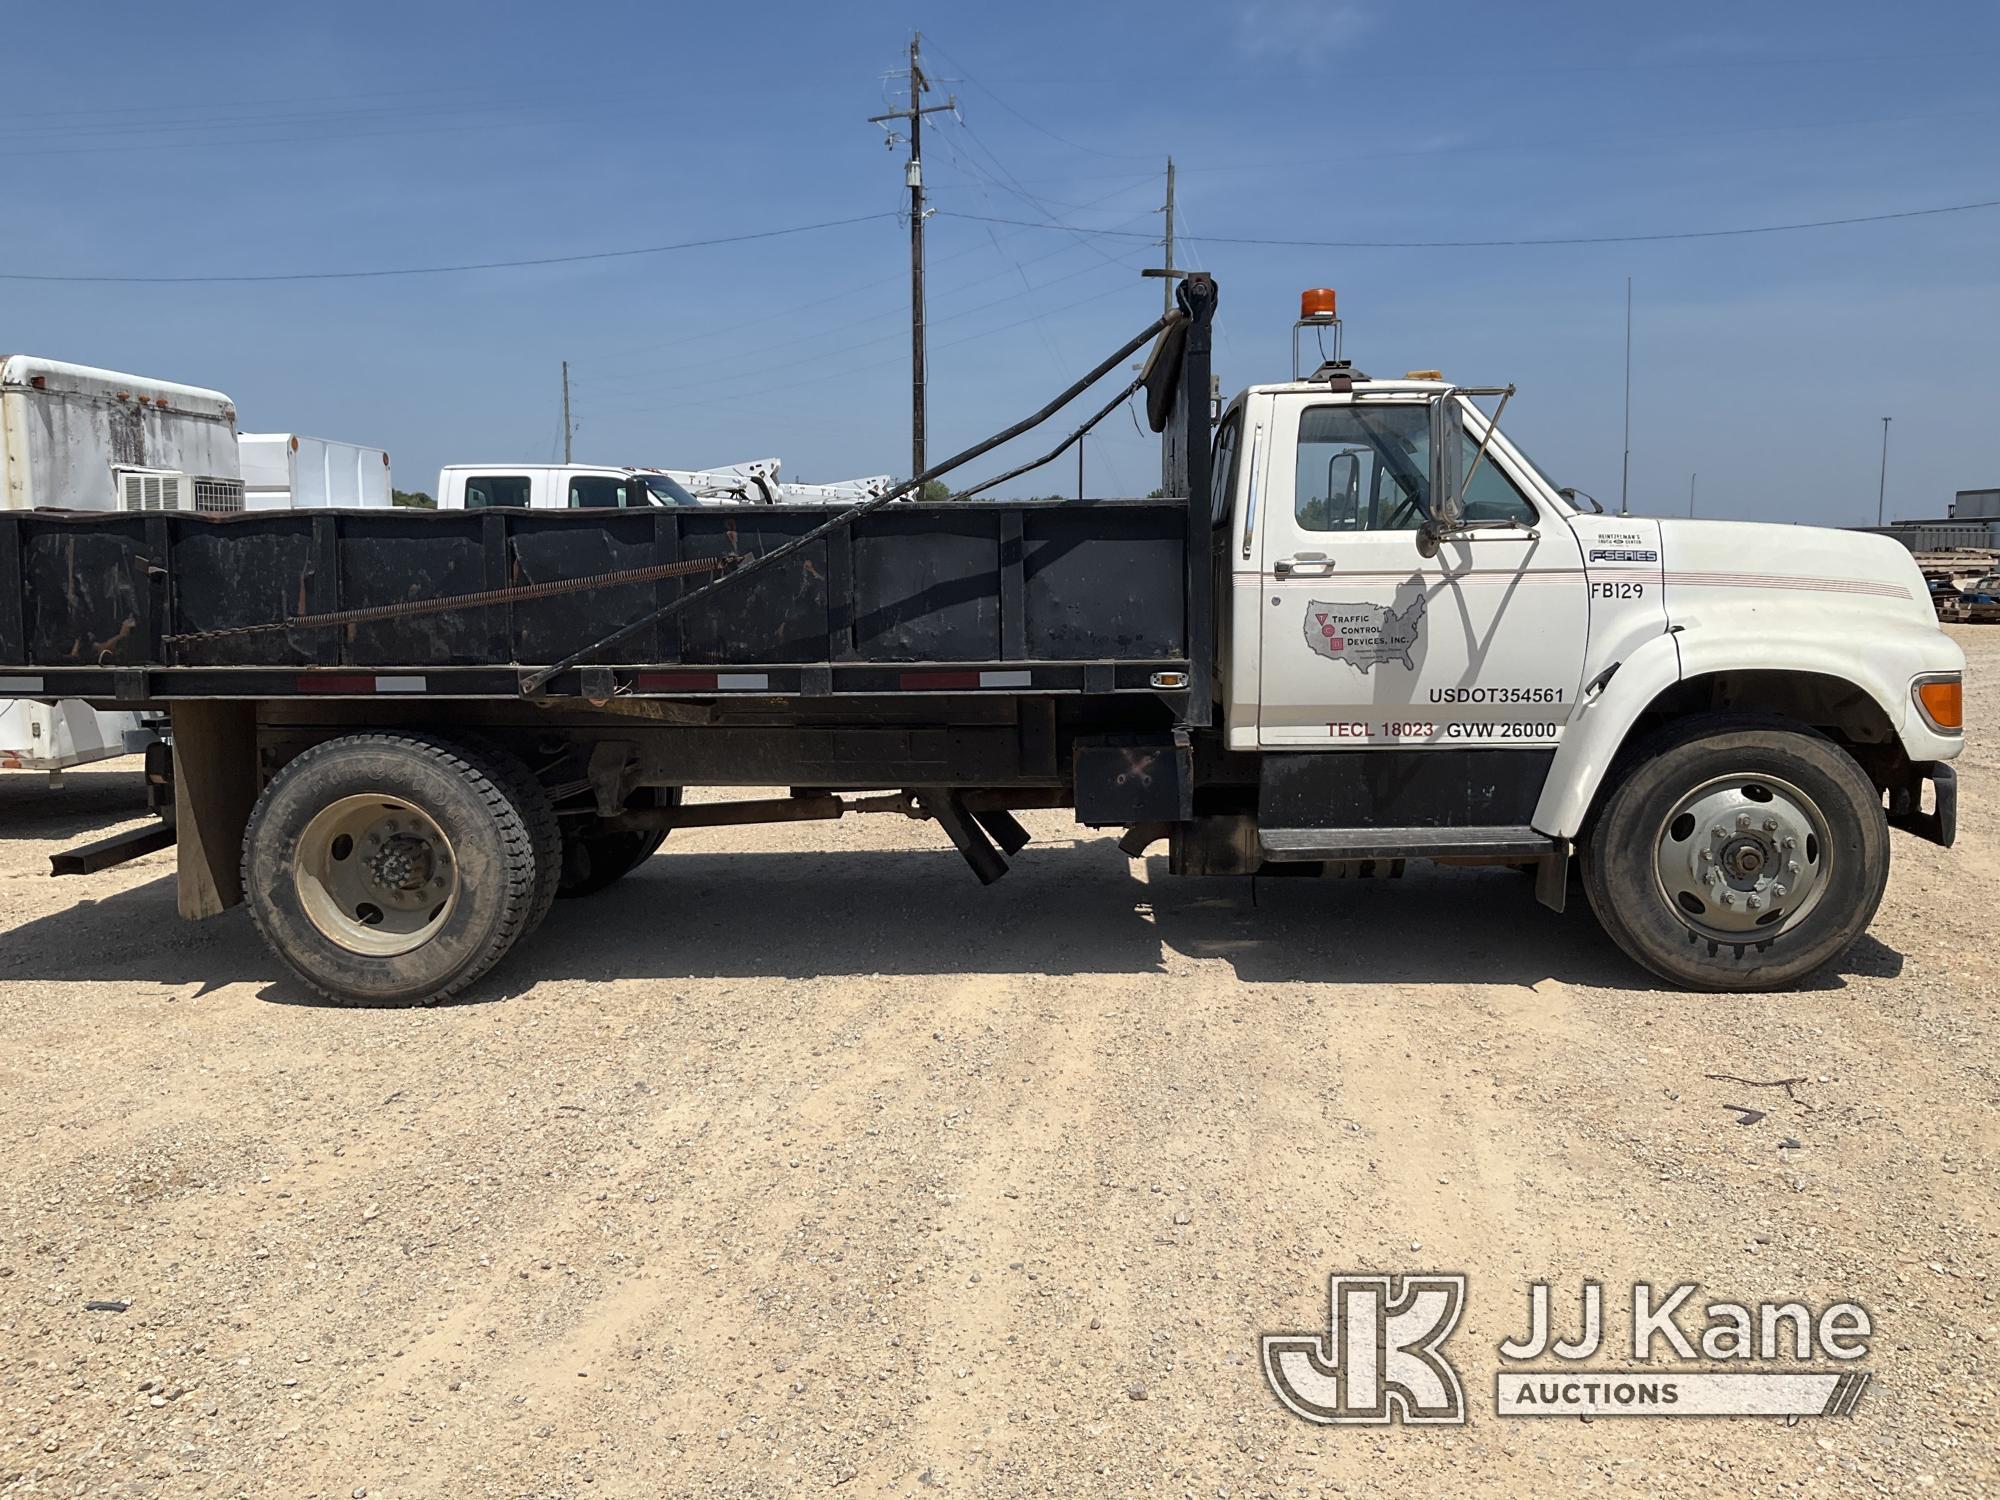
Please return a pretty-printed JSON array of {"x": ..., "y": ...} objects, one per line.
[
  {"x": 288, "y": 471},
  {"x": 77, "y": 438}
]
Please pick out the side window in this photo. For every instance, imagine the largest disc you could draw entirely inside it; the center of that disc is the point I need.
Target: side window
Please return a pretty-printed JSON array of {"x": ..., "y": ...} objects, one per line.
[
  {"x": 482, "y": 490},
  {"x": 1363, "y": 467},
  {"x": 1491, "y": 496},
  {"x": 1222, "y": 472},
  {"x": 597, "y": 491}
]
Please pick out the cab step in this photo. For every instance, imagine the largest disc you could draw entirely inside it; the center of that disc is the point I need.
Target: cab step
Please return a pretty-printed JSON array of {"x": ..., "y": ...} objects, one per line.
[{"x": 1300, "y": 845}]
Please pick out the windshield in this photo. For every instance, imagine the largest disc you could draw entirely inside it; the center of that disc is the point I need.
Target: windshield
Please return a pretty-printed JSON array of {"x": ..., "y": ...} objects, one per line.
[
  {"x": 663, "y": 491},
  {"x": 1536, "y": 469}
]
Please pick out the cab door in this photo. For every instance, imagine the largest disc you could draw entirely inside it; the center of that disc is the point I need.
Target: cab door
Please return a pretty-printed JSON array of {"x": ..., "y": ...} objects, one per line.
[{"x": 1365, "y": 642}]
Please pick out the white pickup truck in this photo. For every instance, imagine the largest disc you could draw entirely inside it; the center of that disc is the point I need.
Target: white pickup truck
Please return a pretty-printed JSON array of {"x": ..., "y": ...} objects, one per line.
[{"x": 600, "y": 487}]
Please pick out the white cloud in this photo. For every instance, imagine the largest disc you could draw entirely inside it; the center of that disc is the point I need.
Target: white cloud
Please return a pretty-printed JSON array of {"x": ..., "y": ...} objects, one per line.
[{"x": 1304, "y": 30}]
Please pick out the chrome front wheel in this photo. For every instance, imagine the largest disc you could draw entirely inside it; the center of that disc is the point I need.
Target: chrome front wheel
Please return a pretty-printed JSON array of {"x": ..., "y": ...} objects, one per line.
[{"x": 1743, "y": 855}]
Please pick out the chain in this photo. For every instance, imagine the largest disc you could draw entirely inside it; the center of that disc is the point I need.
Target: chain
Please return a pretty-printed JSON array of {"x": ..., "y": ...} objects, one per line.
[{"x": 520, "y": 593}]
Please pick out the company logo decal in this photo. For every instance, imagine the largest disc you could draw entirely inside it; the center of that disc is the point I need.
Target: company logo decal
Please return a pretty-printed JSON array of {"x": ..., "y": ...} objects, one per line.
[{"x": 1366, "y": 635}]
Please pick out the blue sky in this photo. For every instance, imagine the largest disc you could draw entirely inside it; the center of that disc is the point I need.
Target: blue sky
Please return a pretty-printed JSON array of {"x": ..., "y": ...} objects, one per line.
[{"x": 173, "y": 140}]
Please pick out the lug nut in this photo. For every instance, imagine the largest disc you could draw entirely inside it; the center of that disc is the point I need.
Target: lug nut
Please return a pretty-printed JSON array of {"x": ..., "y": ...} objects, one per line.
[
  {"x": 1743, "y": 820},
  {"x": 1770, "y": 825},
  {"x": 1729, "y": 898},
  {"x": 1754, "y": 903},
  {"x": 1706, "y": 856},
  {"x": 1791, "y": 867},
  {"x": 1779, "y": 890}
]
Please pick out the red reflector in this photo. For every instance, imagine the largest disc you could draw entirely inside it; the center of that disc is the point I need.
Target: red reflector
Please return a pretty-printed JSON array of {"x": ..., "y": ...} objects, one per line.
[
  {"x": 937, "y": 681},
  {"x": 337, "y": 682},
  {"x": 698, "y": 682}
]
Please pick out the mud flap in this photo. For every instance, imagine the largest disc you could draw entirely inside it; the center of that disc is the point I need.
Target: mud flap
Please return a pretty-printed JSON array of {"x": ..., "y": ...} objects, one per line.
[{"x": 1552, "y": 877}]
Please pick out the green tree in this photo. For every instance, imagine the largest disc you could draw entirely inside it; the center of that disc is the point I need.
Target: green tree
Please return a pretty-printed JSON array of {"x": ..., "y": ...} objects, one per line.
[
  {"x": 414, "y": 499},
  {"x": 934, "y": 489}
]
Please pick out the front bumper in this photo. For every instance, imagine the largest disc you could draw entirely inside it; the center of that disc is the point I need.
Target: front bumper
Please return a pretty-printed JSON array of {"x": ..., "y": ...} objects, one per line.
[{"x": 1906, "y": 803}]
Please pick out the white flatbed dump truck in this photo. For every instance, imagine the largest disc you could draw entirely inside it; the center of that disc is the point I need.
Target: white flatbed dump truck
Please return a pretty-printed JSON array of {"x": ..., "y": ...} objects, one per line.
[
  {"x": 74, "y": 437},
  {"x": 1359, "y": 628}
]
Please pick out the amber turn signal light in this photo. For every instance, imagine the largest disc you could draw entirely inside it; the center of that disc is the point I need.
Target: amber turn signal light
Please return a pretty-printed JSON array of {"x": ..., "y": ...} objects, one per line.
[{"x": 1941, "y": 700}]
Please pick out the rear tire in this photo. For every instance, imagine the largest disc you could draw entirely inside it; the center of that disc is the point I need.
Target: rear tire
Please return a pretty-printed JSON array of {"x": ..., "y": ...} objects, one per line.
[
  {"x": 1738, "y": 855},
  {"x": 531, "y": 800},
  {"x": 593, "y": 859},
  {"x": 390, "y": 869}
]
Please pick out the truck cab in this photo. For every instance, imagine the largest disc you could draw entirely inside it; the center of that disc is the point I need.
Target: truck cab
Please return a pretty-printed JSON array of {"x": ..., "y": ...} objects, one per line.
[{"x": 1430, "y": 649}]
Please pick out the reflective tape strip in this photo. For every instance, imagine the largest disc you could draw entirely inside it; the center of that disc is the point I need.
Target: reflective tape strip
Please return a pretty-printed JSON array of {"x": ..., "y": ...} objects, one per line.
[
  {"x": 948, "y": 682},
  {"x": 703, "y": 682},
  {"x": 20, "y": 684},
  {"x": 356, "y": 683}
]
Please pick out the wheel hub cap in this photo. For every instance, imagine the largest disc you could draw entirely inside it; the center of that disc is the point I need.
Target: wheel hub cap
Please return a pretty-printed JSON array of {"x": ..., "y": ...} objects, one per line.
[
  {"x": 1742, "y": 856},
  {"x": 375, "y": 875}
]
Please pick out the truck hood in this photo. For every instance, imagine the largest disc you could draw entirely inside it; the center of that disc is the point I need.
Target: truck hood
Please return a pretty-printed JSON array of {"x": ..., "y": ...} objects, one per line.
[{"x": 1801, "y": 563}]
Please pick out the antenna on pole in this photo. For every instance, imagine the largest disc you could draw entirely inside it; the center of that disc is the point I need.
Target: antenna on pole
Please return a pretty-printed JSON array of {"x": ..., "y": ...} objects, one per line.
[
  {"x": 1882, "y": 485},
  {"x": 1166, "y": 306},
  {"x": 913, "y": 174},
  {"x": 1625, "y": 472},
  {"x": 567, "y": 429}
]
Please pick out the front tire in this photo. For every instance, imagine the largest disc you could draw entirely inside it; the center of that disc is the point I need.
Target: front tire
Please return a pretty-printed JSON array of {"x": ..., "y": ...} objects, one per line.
[
  {"x": 1738, "y": 855},
  {"x": 391, "y": 869}
]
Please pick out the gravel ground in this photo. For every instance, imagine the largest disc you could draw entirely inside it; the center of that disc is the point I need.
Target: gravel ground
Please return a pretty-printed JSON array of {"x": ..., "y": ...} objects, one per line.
[{"x": 817, "y": 1167}]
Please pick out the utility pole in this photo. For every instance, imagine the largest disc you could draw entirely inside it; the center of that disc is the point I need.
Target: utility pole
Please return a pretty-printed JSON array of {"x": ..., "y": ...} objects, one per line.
[
  {"x": 566, "y": 426},
  {"x": 1882, "y": 485},
  {"x": 913, "y": 174},
  {"x": 1691, "y": 480},
  {"x": 1625, "y": 473},
  {"x": 1166, "y": 306}
]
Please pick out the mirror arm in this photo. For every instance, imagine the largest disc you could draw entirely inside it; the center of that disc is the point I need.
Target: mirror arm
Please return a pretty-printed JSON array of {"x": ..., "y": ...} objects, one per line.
[{"x": 1492, "y": 426}]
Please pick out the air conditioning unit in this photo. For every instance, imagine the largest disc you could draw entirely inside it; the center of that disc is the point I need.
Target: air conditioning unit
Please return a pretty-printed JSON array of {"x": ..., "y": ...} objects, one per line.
[{"x": 168, "y": 489}]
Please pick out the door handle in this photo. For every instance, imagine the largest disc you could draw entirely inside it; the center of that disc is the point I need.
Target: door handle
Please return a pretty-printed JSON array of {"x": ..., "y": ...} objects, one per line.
[{"x": 1303, "y": 567}]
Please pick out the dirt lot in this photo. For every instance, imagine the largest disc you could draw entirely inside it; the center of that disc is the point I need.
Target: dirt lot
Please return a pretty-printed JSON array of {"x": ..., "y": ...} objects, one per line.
[{"x": 815, "y": 1166}]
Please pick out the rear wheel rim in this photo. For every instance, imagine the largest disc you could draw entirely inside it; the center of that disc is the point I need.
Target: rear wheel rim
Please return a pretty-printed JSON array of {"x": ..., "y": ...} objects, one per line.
[
  {"x": 1743, "y": 857},
  {"x": 376, "y": 875}
]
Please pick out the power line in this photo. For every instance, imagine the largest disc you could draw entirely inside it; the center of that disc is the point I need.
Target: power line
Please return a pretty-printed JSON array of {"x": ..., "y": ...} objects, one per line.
[
  {"x": 483, "y": 265},
  {"x": 1032, "y": 124},
  {"x": 1579, "y": 239}
]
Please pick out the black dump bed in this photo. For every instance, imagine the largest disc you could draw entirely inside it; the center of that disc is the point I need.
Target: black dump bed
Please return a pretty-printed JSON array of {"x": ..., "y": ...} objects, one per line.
[
  {"x": 892, "y": 596},
  {"x": 973, "y": 585}
]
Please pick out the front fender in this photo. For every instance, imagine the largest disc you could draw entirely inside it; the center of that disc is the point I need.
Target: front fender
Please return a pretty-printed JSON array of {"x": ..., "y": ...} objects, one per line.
[
  {"x": 1597, "y": 729},
  {"x": 1880, "y": 651},
  {"x": 1881, "y": 659}
]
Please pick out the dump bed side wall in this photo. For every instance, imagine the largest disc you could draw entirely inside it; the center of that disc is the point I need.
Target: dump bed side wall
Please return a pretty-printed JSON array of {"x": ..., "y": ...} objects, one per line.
[{"x": 1072, "y": 582}]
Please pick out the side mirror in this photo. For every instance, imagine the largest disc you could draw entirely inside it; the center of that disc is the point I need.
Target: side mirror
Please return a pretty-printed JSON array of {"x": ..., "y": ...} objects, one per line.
[
  {"x": 1446, "y": 511},
  {"x": 1343, "y": 486},
  {"x": 1447, "y": 499}
]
